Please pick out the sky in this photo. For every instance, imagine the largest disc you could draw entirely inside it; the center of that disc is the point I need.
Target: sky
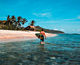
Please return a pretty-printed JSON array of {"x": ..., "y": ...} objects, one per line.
[{"x": 63, "y": 15}]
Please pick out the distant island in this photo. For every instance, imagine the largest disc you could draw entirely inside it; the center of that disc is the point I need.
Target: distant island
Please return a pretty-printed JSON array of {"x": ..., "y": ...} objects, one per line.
[
  {"x": 38, "y": 28},
  {"x": 49, "y": 31}
]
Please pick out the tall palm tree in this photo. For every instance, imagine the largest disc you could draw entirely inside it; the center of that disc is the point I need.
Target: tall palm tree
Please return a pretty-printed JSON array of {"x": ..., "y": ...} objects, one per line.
[
  {"x": 19, "y": 20},
  {"x": 8, "y": 17},
  {"x": 8, "y": 20},
  {"x": 24, "y": 21},
  {"x": 13, "y": 19}
]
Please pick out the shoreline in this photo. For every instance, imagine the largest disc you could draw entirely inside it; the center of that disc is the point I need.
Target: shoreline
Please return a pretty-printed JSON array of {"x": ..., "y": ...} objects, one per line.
[{"x": 14, "y": 36}]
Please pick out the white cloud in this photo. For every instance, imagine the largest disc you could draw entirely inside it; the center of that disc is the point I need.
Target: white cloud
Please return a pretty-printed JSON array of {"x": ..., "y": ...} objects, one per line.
[
  {"x": 78, "y": 30},
  {"x": 73, "y": 18},
  {"x": 3, "y": 17},
  {"x": 35, "y": 14},
  {"x": 43, "y": 14},
  {"x": 79, "y": 17},
  {"x": 68, "y": 19},
  {"x": 62, "y": 29},
  {"x": 73, "y": 30},
  {"x": 59, "y": 29},
  {"x": 55, "y": 29}
]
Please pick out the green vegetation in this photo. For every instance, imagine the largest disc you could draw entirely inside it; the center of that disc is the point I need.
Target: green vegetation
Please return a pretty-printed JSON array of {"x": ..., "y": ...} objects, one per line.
[
  {"x": 38, "y": 30},
  {"x": 13, "y": 23}
]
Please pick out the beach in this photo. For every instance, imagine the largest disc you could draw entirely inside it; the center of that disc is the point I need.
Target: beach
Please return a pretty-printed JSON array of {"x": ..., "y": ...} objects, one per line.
[{"x": 12, "y": 35}]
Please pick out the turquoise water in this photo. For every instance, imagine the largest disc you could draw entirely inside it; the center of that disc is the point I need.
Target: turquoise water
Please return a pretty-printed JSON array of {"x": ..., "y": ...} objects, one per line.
[{"x": 63, "y": 49}]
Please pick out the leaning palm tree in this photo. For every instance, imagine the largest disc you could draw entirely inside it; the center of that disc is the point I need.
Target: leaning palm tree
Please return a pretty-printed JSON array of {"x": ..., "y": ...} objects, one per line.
[
  {"x": 8, "y": 17},
  {"x": 31, "y": 25},
  {"x": 7, "y": 23},
  {"x": 8, "y": 20}
]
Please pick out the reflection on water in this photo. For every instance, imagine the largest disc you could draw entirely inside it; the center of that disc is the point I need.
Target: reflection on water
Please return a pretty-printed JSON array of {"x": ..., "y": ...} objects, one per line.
[{"x": 60, "y": 50}]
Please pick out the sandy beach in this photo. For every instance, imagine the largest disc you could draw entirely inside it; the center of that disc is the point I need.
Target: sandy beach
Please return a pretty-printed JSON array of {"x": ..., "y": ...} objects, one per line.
[{"x": 11, "y": 35}]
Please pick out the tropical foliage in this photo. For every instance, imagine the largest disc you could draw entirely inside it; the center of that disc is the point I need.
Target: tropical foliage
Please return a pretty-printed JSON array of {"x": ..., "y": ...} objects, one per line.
[
  {"x": 32, "y": 23},
  {"x": 12, "y": 23},
  {"x": 16, "y": 23}
]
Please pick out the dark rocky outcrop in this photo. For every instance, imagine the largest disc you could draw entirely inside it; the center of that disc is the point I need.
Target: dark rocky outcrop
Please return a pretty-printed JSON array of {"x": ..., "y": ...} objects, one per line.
[{"x": 29, "y": 28}]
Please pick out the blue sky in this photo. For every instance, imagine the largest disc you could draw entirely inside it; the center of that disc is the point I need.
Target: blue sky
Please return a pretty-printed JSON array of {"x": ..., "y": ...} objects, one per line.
[{"x": 61, "y": 15}]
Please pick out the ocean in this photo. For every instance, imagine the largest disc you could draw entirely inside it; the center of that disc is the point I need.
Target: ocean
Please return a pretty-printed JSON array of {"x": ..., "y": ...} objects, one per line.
[{"x": 63, "y": 49}]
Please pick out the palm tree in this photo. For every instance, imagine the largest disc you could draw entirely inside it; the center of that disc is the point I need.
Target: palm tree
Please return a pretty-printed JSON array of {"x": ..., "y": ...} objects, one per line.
[
  {"x": 32, "y": 23},
  {"x": 13, "y": 19},
  {"x": 24, "y": 21},
  {"x": 19, "y": 20},
  {"x": 31, "y": 26},
  {"x": 13, "y": 23},
  {"x": 8, "y": 20}
]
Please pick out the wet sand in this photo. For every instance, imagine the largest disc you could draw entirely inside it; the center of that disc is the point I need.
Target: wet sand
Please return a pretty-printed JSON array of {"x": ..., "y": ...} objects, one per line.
[{"x": 11, "y": 35}]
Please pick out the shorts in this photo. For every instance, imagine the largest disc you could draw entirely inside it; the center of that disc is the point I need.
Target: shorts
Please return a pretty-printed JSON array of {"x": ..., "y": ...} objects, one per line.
[{"x": 42, "y": 40}]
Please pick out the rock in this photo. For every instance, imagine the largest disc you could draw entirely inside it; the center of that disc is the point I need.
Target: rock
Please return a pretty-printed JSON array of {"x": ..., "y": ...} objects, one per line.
[
  {"x": 35, "y": 58},
  {"x": 12, "y": 56},
  {"x": 20, "y": 63},
  {"x": 52, "y": 57}
]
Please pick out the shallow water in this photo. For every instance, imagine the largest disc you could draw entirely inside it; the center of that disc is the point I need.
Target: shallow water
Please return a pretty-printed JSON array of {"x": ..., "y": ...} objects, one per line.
[{"x": 63, "y": 49}]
